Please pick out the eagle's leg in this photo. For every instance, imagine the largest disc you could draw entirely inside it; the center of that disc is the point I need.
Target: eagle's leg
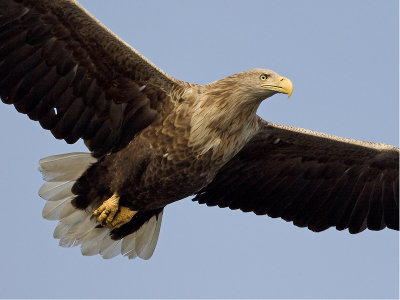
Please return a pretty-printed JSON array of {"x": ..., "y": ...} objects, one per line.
[{"x": 111, "y": 215}]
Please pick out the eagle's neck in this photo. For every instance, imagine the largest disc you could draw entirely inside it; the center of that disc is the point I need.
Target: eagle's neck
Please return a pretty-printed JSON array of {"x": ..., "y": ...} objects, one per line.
[{"x": 222, "y": 121}]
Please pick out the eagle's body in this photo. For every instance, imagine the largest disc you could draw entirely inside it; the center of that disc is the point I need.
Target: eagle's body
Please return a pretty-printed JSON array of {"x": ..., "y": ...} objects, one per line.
[
  {"x": 188, "y": 145},
  {"x": 154, "y": 140}
]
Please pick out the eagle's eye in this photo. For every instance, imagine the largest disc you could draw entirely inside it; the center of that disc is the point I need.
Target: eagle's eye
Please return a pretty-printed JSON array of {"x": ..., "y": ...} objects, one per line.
[{"x": 264, "y": 76}]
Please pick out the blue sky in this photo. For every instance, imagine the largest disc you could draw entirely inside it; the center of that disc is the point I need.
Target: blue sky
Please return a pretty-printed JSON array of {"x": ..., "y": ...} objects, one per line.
[{"x": 342, "y": 57}]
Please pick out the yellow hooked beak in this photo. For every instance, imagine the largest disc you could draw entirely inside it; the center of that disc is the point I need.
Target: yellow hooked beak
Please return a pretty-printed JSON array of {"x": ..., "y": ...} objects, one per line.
[{"x": 282, "y": 85}]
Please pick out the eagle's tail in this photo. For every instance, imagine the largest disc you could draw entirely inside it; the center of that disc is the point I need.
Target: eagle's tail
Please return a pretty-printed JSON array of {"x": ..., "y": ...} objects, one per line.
[{"x": 78, "y": 226}]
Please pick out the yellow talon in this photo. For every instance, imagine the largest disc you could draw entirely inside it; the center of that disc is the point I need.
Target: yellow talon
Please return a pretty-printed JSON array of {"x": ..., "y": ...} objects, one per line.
[
  {"x": 123, "y": 216},
  {"x": 107, "y": 210},
  {"x": 111, "y": 215}
]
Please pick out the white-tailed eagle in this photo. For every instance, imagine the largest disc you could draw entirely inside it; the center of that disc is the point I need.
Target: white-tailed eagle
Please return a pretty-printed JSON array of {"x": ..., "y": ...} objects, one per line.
[{"x": 154, "y": 140}]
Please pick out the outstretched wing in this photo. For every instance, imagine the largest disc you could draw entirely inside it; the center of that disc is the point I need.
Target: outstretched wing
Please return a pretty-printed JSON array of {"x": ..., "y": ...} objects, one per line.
[
  {"x": 313, "y": 179},
  {"x": 61, "y": 67}
]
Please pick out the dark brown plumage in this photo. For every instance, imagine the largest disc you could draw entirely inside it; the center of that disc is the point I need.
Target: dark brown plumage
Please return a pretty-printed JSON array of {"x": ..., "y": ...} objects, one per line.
[
  {"x": 315, "y": 180},
  {"x": 155, "y": 140}
]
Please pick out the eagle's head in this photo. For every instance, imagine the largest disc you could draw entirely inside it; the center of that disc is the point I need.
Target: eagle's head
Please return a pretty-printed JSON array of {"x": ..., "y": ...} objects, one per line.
[
  {"x": 249, "y": 87},
  {"x": 260, "y": 84}
]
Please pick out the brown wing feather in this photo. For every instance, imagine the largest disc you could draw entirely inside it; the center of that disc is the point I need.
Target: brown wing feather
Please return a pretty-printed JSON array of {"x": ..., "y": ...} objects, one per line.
[
  {"x": 315, "y": 180},
  {"x": 62, "y": 68}
]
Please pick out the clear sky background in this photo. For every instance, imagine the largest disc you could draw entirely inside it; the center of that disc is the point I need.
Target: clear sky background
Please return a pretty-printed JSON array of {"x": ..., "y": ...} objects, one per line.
[{"x": 342, "y": 57}]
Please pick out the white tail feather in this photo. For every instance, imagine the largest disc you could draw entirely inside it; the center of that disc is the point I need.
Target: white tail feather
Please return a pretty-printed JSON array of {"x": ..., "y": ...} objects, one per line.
[
  {"x": 67, "y": 210},
  {"x": 65, "y": 167},
  {"x": 113, "y": 250},
  {"x": 53, "y": 191},
  {"x": 61, "y": 230},
  {"x": 151, "y": 245},
  {"x": 92, "y": 245},
  {"x": 78, "y": 227},
  {"x": 143, "y": 242},
  {"x": 128, "y": 243},
  {"x": 76, "y": 217},
  {"x": 52, "y": 210}
]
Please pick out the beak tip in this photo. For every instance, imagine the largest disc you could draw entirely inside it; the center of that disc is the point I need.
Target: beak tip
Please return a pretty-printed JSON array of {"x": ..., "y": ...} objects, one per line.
[{"x": 287, "y": 85}]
